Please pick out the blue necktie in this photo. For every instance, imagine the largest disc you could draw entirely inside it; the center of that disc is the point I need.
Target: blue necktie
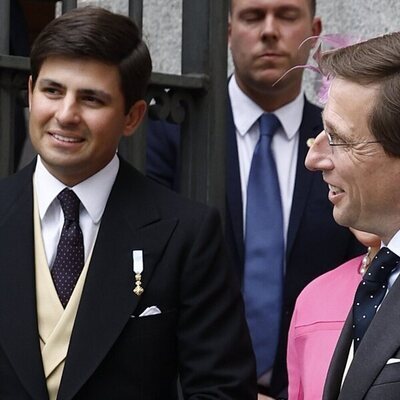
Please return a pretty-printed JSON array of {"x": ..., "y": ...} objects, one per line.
[
  {"x": 264, "y": 249},
  {"x": 70, "y": 256},
  {"x": 371, "y": 291}
]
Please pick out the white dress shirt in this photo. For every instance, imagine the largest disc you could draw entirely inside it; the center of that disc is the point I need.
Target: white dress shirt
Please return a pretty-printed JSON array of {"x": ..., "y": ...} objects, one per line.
[
  {"x": 284, "y": 143},
  {"x": 93, "y": 194},
  {"x": 394, "y": 246}
]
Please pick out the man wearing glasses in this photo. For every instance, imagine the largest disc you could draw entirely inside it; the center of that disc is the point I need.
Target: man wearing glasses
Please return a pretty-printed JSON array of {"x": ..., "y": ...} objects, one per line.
[{"x": 359, "y": 156}]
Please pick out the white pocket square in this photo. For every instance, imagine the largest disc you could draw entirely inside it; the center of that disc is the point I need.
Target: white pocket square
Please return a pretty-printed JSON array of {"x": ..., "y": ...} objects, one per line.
[
  {"x": 153, "y": 310},
  {"x": 393, "y": 361}
]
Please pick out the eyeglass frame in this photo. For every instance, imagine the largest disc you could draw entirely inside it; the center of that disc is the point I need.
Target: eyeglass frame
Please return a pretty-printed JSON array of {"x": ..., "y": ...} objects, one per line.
[{"x": 329, "y": 137}]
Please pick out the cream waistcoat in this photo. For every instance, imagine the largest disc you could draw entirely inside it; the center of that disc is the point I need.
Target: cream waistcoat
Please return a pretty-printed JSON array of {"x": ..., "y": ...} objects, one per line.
[{"x": 54, "y": 323}]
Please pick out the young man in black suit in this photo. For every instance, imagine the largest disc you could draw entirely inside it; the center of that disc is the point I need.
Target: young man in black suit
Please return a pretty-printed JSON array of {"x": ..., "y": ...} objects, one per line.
[
  {"x": 111, "y": 285},
  {"x": 265, "y": 38}
]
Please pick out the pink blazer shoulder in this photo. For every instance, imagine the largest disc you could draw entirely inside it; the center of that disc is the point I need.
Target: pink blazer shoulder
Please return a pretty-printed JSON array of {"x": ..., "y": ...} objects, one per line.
[{"x": 320, "y": 312}]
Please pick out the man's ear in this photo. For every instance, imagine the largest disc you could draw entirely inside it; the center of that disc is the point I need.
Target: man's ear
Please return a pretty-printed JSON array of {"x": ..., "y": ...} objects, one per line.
[
  {"x": 134, "y": 117},
  {"x": 316, "y": 26},
  {"x": 229, "y": 29},
  {"x": 316, "y": 30},
  {"x": 30, "y": 91}
]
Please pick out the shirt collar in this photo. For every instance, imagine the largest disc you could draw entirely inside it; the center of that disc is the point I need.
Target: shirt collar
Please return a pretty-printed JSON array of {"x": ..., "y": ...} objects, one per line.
[
  {"x": 92, "y": 192},
  {"x": 246, "y": 112},
  {"x": 394, "y": 244}
]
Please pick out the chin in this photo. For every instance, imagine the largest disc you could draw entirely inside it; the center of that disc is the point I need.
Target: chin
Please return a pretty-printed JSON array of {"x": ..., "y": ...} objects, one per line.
[{"x": 341, "y": 218}]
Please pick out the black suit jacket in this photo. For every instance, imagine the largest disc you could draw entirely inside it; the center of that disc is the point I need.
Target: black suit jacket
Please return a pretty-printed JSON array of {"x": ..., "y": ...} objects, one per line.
[
  {"x": 315, "y": 243},
  {"x": 115, "y": 354},
  {"x": 369, "y": 377}
]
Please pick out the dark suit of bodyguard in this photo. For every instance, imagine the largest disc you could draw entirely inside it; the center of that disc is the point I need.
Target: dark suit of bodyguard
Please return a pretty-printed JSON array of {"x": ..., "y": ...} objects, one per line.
[
  {"x": 264, "y": 39},
  {"x": 315, "y": 243},
  {"x": 134, "y": 322}
]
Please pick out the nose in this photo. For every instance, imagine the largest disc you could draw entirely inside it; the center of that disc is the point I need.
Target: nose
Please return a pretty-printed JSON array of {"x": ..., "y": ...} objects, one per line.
[
  {"x": 269, "y": 28},
  {"x": 319, "y": 156},
  {"x": 68, "y": 111}
]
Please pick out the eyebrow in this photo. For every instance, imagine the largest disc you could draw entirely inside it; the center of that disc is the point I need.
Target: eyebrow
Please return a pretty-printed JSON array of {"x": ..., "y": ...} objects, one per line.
[
  {"x": 278, "y": 9},
  {"x": 329, "y": 125},
  {"x": 104, "y": 96},
  {"x": 49, "y": 82},
  {"x": 332, "y": 128},
  {"x": 250, "y": 10},
  {"x": 101, "y": 94},
  {"x": 335, "y": 130},
  {"x": 289, "y": 8}
]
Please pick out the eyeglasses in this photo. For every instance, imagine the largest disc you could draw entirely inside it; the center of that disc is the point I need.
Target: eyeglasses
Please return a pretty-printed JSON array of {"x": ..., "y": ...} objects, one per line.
[{"x": 335, "y": 140}]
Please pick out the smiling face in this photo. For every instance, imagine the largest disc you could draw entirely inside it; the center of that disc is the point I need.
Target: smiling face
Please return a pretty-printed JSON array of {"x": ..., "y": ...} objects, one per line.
[
  {"x": 77, "y": 116},
  {"x": 264, "y": 37},
  {"x": 364, "y": 182}
]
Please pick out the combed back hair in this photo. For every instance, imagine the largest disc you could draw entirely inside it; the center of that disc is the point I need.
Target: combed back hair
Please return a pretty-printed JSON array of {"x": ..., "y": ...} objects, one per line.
[
  {"x": 373, "y": 62},
  {"x": 97, "y": 34},
  {"x": 313, "y": 6}
]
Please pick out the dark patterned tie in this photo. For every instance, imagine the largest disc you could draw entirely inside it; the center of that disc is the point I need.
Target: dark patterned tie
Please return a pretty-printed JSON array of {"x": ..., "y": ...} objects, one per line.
[
  {"x": 70, "y": 257},
  {"x": 264, "y": 249},
  {"x": 371, "y": 291}
]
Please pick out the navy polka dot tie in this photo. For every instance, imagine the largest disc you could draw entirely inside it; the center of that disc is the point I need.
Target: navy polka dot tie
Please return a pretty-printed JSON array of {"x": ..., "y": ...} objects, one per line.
[
  {"x": 371, "y": 291},
  {"x": 70, "y": 257}
]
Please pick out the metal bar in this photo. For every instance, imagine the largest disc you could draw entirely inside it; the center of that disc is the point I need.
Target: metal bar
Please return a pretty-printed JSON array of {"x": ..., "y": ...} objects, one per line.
[
  {"x": 7, "y": 118},
  {"x": 218, "y": 98},
  {"x": 133, "y": 148},
  {"x": 5, "y": 26},
  {"x": 204, "y": 49},
  {"x": 195, "y": 31},
  {"x": 136, "y": 12},
  {"x": 14, "y": 62},
  {"x": 188, "y": 81},
  {"x": 7, "y": 101},
  {"x": 194, "y": 136},
  {"x": 68, "y": 5}
]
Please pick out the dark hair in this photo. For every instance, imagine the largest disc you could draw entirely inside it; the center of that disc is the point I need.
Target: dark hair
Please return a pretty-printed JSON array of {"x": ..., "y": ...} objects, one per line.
[
  {"x": 373, "y": 62},
  {"x": 313, "y": 6},
  {"x": 95, "y": 33}
]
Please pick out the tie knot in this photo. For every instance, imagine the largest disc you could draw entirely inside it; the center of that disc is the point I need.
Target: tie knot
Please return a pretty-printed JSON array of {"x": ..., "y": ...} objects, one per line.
[
  {"x": 70, "y": 204},
  {"x": 269, "y": 123},
  {"x": 382, "y": 265}
]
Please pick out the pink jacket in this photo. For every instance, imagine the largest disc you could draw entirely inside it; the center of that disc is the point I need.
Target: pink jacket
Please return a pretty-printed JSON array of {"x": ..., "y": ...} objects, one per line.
[{"x": 320, "y": 312}]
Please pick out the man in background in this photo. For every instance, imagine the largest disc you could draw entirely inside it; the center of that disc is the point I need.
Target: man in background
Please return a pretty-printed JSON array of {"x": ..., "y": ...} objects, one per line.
[{"x": 279, "y": 242}]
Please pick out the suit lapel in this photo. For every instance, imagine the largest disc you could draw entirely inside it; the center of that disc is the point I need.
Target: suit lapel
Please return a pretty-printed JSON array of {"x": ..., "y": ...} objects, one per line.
[
  {"x": 338, "y": 363},
  {"x": 18, "y": 319},
  {"x": 310, "y": 127},
  {"x": 380, "y": 342},
  {"x": 130, "y": 222},
  {"x": 233, "y": 188}
]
